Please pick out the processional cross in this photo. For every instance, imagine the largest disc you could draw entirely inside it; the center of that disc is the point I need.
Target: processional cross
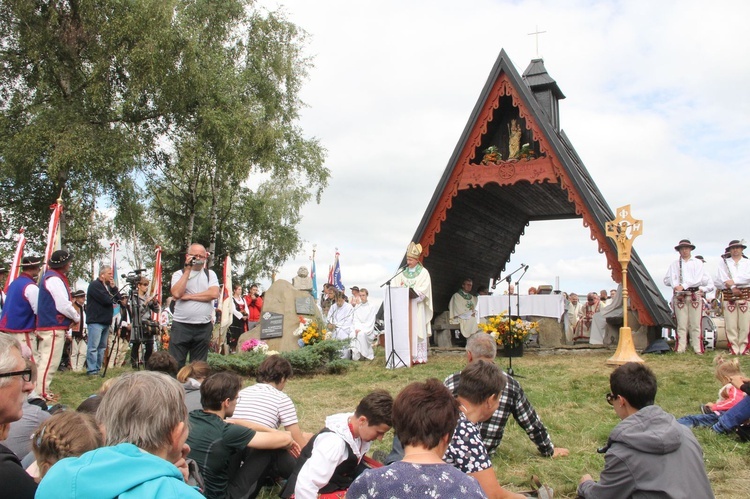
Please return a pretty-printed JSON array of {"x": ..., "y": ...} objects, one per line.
[{"x": 623, "y": 230}]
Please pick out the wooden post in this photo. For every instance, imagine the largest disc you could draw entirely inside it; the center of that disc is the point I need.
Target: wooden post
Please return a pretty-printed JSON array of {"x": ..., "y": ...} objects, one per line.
[{"x": 623, "y": 230}]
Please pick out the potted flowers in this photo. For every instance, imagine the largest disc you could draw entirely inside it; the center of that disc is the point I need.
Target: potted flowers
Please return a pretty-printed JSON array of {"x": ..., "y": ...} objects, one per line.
[{"x": 510, "y": 333}]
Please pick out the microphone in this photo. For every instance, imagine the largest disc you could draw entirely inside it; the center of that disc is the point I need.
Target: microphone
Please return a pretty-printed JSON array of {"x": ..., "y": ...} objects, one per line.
[
  {"x": 138, "y": 271},
  {"x": 526, "y": 268}
]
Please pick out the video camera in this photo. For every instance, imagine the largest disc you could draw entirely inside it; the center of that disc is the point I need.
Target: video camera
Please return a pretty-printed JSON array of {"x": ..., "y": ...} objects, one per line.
[{"x": 134, "y": 277}]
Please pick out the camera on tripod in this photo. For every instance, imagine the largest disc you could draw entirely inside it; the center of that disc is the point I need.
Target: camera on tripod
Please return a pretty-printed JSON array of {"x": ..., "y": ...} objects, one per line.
[{"x": 134, "y": 277}]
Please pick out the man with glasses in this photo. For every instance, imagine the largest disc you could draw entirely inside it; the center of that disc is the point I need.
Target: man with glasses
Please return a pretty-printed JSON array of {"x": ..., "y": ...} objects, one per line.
[
  {"x": 194, "y": 288},
  {"x": 101, "y": 296},
  {"x": 233, "y": 458},
  {"x": 15, "y": 386},
  {"x": 648, "y": 454}
]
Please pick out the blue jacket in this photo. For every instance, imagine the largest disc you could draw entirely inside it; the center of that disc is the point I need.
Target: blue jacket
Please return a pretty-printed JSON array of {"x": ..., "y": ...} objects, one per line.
[{"x": 123, "y": 471}]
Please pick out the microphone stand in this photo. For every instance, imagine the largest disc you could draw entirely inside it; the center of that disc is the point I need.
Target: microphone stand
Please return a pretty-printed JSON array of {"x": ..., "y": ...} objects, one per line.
[
  {"x": 510, "y": 308},
  {"x": 391, "y": 359},
  {"x": 518, "y": 311}
]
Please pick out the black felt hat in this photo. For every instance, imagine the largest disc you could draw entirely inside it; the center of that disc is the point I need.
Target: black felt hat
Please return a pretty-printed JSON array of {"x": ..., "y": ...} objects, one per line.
[{"x": 59, "y": 258}]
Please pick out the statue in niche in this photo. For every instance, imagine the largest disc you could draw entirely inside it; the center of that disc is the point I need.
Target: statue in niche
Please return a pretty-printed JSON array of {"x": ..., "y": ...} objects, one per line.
[{"x": 514, "y": 143}]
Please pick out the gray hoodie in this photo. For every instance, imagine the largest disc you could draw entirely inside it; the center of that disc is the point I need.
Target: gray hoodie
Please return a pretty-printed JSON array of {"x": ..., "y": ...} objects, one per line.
[{"x": 650, "y": 455}]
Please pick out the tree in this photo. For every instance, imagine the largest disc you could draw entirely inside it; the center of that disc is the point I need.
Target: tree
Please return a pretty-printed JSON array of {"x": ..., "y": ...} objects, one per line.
[{"x": 182, "y": 100}]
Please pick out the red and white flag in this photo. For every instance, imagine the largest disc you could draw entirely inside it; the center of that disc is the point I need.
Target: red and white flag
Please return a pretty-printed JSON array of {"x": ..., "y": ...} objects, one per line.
[
  {"x": 16, "y": 265},
  {"x": 53, "y": 232},
  {"x": 156, "y": 282},
  {"x": 226, "y": 304}
]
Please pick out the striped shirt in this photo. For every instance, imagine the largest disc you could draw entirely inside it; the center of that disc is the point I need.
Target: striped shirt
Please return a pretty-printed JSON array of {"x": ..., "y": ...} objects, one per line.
[{"x": 264, "y": 404}]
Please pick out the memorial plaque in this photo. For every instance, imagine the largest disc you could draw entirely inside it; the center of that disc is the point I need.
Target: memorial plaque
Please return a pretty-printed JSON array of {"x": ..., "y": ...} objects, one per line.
[
  {"x": 271, "y": 325},
  {"x": 305, "y": 305}
]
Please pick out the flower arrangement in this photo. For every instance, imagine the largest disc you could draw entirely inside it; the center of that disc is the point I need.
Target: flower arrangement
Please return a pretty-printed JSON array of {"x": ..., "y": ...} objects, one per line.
[
  {"x": 255, "y": 345},
  {"x": 508, "y": 332},
  {"x": 310, "y": 331}
]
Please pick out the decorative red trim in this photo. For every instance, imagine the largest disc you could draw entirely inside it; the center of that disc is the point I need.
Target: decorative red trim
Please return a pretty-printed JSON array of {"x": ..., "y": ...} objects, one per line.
[
  {"x": 508, "y": 173},
  {"x": 547, "y": 168}
]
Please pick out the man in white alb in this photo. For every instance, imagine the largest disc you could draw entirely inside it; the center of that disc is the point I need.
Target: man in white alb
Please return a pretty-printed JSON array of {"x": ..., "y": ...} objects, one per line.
[{"x": 364, "y": 327}]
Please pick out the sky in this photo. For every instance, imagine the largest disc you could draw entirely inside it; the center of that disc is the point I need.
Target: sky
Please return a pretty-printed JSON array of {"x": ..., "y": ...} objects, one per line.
[{"x": 657, "y": 108}]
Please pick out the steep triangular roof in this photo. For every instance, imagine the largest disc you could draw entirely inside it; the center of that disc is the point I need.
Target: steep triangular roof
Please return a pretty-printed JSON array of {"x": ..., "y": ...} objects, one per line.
[{"x": 479, "y": 211}]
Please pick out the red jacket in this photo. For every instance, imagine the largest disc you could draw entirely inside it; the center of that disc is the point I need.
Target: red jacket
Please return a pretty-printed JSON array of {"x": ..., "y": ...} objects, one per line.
[{"x": 254, "y": 306}]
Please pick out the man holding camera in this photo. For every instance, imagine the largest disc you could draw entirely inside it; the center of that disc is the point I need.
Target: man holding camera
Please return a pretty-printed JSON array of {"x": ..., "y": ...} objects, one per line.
[
  {"x": 254, "y": 305},
  {"x": 101, "y": 297},
  {"x": 194, "y": 288}
]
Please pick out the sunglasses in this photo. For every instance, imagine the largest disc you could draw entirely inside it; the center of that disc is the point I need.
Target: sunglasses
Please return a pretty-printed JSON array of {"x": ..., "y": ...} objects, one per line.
[
  {"x": 611, "y": 397},
  {"x": 25, "y": 374}
]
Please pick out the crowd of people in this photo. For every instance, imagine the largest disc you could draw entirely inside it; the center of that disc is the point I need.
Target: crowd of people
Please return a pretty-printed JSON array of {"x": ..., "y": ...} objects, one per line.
[
  {"x": 212, "y": 437},
  {"x": 142, "y": 435}
]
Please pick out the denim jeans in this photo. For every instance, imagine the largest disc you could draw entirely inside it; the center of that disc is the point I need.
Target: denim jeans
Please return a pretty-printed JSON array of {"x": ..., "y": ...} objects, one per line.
[
  {"x": 734, "y": 417},
  {"x": 699, "y": 419},
  {"x": 96, "y": 347}
]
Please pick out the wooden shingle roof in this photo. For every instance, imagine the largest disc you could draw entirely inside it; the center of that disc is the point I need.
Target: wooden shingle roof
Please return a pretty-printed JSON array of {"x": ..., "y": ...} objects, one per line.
[{"x": 479, "y": 212}]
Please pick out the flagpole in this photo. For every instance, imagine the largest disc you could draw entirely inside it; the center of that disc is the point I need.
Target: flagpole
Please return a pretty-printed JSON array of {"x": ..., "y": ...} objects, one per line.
[{"x": 16, "y": 264}]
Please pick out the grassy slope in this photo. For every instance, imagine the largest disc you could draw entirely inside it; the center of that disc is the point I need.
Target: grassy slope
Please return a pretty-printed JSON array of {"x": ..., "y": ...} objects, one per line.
[{"x": 567, "y": 391}]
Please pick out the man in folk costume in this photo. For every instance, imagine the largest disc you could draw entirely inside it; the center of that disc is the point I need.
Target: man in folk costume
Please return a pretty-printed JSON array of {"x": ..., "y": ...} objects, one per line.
[
  {"x": 734, "y": 277},
  {"x": 55, "y": 315},
  {"x": 685, "y": 277},
  {"x": 416, "y": 277},
  {"x": 19, "y": 314},
  {"x": 78, "y": 344},
  {"x": 462, "y": 309}
]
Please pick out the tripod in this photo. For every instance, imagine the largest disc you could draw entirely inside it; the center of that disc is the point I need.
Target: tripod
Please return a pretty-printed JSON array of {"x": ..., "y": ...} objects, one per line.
[{"x": 390, "y": 361}]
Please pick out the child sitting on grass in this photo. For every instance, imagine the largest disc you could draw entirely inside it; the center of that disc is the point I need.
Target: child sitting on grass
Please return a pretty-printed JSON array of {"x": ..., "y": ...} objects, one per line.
[
  {"x": 729, "y": 395},
  {"x": 65, "y": 434},
  {"x": 332, "y": 459}
]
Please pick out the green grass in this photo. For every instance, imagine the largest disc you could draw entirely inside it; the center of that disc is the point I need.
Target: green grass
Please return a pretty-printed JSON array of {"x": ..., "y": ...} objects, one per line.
[{"x": 567, "y": 389}]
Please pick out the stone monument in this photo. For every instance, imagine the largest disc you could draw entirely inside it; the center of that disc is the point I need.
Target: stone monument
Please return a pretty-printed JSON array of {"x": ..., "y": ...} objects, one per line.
[{"x": 283, "y": 305}]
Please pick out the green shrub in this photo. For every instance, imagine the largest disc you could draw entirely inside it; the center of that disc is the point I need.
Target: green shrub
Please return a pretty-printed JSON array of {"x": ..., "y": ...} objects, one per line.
[{"x": 322, "y": 357}]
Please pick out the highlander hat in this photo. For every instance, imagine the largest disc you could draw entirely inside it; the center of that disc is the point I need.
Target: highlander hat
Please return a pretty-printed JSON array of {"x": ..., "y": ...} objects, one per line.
[{"x": 685, "y": 243}]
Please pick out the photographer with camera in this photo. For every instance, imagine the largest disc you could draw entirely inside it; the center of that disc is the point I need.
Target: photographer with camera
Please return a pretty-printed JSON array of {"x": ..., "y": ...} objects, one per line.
[
  {"x": 254, "y": 305},
  {"x": 146, "y": 329},
  {"x": 194, "y": 288},
  {"x": 101, "y": 296}
]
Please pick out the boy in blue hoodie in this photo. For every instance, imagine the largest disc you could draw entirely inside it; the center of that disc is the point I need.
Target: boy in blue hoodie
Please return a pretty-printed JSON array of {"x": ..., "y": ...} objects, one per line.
[{"x": 145, "y": 419}]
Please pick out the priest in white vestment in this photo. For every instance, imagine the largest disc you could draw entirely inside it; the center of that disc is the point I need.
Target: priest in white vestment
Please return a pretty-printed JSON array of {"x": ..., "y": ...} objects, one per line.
[
  {"x": 364, "y": 327},
  {"x": 341, "y": 321},
  {"x": 462, "y": 309},
  {"x": 417, "y": 278}
]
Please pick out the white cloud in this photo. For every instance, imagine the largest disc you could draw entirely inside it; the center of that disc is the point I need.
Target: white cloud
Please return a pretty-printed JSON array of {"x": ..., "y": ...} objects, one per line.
[{"x": 656, "y": 107}]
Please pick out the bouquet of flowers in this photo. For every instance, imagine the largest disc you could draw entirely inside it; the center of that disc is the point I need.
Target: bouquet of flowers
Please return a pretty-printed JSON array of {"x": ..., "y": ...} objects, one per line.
[
  {"x": 254, "y": 345},
  {"x": 507, "y": 332},
  {"x": 310, "y": 331}
]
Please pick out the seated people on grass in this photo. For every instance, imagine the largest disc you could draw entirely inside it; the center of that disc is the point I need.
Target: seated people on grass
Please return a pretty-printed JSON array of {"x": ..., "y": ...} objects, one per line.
[
  {"x": 163, "y": 362},
  {"x": 15, "y": 387},
  {"x": 478, "y": 396},
  {"x": 333, "y": 458},
  {"x": 146, "y": 425},
  {"x": 66, "y": 434},
  {"x": 513, "y": 402},
  {"x": 729, "y": 395},
  {"x": 740, "y": 413},
  {"x": 233, "y": 459},
  {"x": 191, "y": 376},
  {"x": 648, "y": 454},
  {"x": 267, "y": 405},
  {"x": 424, "y": 418}
]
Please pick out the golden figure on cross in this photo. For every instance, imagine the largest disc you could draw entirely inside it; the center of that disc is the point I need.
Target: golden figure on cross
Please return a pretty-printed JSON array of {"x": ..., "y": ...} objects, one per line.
[{"x": 623, "y": 230}]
